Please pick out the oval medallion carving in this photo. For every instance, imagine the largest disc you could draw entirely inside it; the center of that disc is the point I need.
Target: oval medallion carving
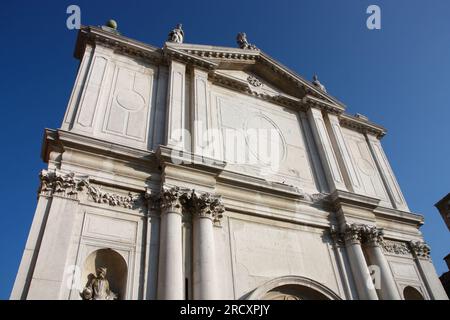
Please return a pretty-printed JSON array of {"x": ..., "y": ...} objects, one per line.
[{"x": 130, "y": 100}]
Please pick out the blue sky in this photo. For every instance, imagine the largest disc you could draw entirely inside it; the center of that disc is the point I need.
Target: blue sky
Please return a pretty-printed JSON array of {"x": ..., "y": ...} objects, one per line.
[{"x": 398, "y": 76}]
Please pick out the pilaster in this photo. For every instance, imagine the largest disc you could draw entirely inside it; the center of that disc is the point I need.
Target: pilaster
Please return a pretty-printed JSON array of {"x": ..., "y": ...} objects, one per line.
[
  {"x": 176, "y": 109},
  {"x": 328, "y": 158}
]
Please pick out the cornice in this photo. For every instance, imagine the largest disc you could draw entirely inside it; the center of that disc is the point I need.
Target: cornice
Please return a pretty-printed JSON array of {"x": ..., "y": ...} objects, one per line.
[
  {"x": 361, "y": 125},
  {"x": 245, "y": 87},
  {"x": 69, "y": 139},
  {"x": 220, "y": 55},
  {"x": 321, "y": 104},
  {"x": 189, "y": 58},
  {"x": 340, "y": 197},
  {"x": 93, "y": 35},
  {"x": 291, "y": 75},
  {"x": 398, "y": 215},
  {"x": 167, "y": 154}
]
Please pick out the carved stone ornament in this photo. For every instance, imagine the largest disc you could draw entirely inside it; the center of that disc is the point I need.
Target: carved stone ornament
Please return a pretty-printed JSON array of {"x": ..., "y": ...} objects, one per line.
[
  {"x": 126, "y": 201},
  {"x": 362, "y": 233},
  {"x": 420, "y": 249},
  {"x": 69, "y": 185},
  {"x": 177, "y": 34},
  {"x": 242, "y": 42},
  {"x": 61, "y": 184},
  {"x": 254, "y": 81},
  {"x": 171, "y": 197},
  {"x": 204, "y": 204},
  {"x": 396, "y": 247},
  {"x": 352, "y": 233},
  {"x": 372, "y": 235}
]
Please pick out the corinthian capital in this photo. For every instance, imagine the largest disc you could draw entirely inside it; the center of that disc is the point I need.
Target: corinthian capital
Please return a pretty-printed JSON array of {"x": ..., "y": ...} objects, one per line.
[
  {"x": 61, "y": 184},
  {"x": 205, "y": 204},
  {"x": 420, "y": 249},
  {"x": 372, "y": 235},
  {"x": 352, "y": 233},
  {"x": 171, "y": 198}
]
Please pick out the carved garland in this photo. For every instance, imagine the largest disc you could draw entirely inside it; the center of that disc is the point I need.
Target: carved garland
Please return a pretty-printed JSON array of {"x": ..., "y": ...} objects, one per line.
[
  {"x": 68, "y": 185},
  {"x": 396, "y": 247}
]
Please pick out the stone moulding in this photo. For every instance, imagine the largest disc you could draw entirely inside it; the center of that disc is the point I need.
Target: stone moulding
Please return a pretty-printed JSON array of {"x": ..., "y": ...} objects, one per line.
[{"x": 69, "y": 185}]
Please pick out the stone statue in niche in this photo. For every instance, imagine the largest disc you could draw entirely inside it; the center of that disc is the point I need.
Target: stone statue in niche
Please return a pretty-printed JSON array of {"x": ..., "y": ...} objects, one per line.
[
  {"x": 177, "y": 34},
  {"x": 98, "y": 288},
  {"x": 242, "y": 42}
]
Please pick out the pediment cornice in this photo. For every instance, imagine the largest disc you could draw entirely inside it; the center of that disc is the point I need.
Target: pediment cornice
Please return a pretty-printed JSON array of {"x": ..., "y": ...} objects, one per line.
[
  {"x": 95, "y": 35},
  {"x": 236, "y": 58}
]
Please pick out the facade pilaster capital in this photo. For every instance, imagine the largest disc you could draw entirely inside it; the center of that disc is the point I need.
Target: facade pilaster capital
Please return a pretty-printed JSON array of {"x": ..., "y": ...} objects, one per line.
[{"x": 420, "y": 249}]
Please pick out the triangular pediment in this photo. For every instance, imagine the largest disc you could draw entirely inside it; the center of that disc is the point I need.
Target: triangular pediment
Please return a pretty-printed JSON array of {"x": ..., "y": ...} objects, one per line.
[{"x": 252, "y": 71}]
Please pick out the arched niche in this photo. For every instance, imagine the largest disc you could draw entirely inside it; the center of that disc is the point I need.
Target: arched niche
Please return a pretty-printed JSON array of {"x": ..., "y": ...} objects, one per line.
[
  {"x": 411, "y": 293},
  {"x": 116, "y": 270},
  {"x": 293, "y": 288}
]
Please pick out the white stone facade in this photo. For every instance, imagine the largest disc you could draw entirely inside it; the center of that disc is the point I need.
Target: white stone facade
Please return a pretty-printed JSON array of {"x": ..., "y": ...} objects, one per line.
[{"x": 147, "y": 177}]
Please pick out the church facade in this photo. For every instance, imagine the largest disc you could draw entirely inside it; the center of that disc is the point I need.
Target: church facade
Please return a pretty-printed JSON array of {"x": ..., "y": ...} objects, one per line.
[{"x": 205, "y": 172}]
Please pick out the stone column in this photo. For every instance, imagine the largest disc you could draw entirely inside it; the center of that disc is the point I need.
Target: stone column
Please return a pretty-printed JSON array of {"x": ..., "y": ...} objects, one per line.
[
  {"x": 170, "y": 272},
  {"x": 328, "y": 158},
  {"x": 364, "y": 285},
  {"x": 373, "y": 239},
  {"x": 205, "y": 208},
  {"x": 421, "y": 253}
]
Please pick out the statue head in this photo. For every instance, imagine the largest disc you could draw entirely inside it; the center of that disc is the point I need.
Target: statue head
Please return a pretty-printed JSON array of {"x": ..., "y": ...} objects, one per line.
[
  {"x": 179, "y": 26},
  {"x": 101, "y": 272},
  {"x": 315, "y": 77}
]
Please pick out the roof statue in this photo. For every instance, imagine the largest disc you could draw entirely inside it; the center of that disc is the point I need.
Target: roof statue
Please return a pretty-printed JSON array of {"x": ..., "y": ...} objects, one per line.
[
  {"x": 242, "y": 42},
  {"x": 177, "y": 34},
  {"x": 317, "y": 83}
]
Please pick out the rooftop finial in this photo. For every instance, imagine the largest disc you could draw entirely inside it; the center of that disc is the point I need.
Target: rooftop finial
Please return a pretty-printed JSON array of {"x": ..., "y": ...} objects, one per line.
[
  {"x": 242, "y": 42},
  {"x": 111, "y": 23},
  {"x": 111, "y": 26},
  {"x": 177, "y": 34},
  {"x": 317, "y": 83}
]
